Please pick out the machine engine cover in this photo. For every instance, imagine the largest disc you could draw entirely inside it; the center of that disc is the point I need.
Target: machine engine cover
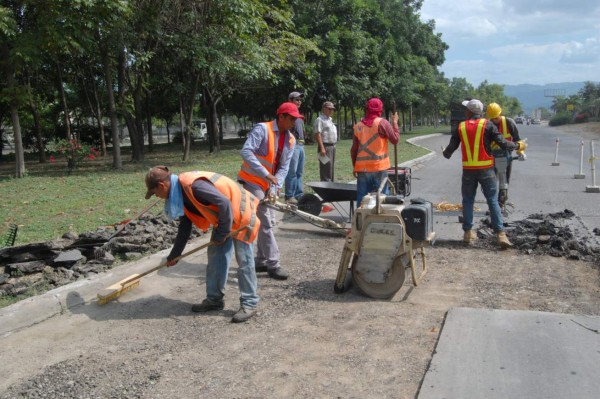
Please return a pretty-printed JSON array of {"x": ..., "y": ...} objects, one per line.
[{"x": 380, "y": 245}]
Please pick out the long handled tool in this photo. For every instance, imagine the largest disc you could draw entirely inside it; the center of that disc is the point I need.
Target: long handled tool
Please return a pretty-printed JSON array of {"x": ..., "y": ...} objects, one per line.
[
  {"x": 127, "y": 284},
  {"x": 107, "y": 246}
]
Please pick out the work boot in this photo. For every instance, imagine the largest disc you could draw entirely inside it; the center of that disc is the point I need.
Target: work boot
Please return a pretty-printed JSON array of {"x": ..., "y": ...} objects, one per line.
[
  {"x": 278, "y": 274},
  {"x": 469, "y": 236},
  {"x": 503, "y": 240},
  {"x": 259, "y": 267},
  {"x": 244, "y": 314},
  {"x": 291, "y": 201},
  {"x": 207, "y": 305}
]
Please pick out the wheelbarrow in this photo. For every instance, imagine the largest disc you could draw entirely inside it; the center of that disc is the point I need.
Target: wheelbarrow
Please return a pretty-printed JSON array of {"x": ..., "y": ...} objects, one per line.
[
  {"x": 400, "y": 178},
  {"x": 327, "y": 192}
]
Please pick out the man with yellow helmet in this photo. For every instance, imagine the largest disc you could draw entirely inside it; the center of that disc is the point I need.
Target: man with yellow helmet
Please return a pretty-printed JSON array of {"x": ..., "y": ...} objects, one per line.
[{"x": 503, "y": 158}]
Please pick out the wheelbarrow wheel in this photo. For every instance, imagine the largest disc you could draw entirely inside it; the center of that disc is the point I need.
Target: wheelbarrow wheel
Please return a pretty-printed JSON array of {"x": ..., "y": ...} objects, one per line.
[{"x": 310, "y": 203}]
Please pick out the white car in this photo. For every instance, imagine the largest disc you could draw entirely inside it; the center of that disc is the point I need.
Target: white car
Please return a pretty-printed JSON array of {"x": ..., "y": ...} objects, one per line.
[{"x": 199, "y": 130}]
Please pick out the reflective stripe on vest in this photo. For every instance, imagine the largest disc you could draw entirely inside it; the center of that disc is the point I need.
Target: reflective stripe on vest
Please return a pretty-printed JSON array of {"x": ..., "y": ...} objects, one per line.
[
  {"x": 243, "y": 204},
  {"x": 372, "y": 154},
  {"x": 474, "y": 154},
  {"x": 504, "y": 131},
  {"x": 248, "y": 175}
]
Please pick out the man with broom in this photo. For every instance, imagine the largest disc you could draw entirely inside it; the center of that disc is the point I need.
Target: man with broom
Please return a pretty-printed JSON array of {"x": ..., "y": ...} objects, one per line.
[{"x": 209, "y": 199}]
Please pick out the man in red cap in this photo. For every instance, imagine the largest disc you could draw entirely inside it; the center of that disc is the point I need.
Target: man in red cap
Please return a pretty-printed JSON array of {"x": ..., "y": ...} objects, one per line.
[
  {"x": 369, "y": 150},
  {"x": 266, "y": 158}
]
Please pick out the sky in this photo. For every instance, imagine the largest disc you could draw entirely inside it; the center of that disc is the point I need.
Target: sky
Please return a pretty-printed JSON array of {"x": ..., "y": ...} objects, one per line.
[{"x": 514, "y": 42}]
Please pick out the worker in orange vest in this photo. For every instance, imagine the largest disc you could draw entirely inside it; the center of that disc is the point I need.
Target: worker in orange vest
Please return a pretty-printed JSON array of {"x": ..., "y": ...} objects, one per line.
[
  {"x": 208, "y": 199},
  {"x": 266, "y": 158},
  {"x": 475, "y": 136},
  {"x": 369, "y": 150}
]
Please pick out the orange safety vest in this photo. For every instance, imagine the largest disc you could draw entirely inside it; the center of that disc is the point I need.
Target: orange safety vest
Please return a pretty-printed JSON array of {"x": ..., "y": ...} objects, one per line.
[
  {"x": 504, "y": 130},
  {"x": 243, "y": 204},
  {"x": 267, "y": 161},
  {"x": 372, "y": 154},
  {"x": 474, "y": 154}
]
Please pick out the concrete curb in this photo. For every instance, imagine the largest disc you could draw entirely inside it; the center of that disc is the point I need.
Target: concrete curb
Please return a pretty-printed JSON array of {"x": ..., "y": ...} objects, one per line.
[{"x": 424, "y": 158}]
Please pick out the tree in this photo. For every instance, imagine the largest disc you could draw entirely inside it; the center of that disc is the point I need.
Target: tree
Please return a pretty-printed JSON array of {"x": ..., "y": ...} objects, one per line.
[{"x": 590, "y": 99}]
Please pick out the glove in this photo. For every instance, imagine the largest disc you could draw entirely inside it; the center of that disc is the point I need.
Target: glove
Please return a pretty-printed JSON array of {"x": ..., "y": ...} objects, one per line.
[
  {"x": 521, "y": 148},
  {"x": 446, "y": 154}
]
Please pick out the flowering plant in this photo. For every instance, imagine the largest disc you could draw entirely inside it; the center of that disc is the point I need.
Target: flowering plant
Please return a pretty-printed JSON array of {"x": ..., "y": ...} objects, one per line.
[{"x": 72, "y": 151}]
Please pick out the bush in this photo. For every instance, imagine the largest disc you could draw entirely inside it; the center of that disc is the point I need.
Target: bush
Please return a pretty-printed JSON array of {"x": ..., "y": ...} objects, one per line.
[
  {"x": 72, "y": 151},
  {"x": 562, "y": 118}
]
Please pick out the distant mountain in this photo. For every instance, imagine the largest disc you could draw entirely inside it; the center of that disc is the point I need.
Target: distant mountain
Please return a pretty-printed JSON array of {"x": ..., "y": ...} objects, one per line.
[{"x": 536, "y": 96}]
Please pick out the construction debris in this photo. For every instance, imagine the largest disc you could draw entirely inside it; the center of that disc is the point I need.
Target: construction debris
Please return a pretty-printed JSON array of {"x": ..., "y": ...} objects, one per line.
[
  {"x": 445, "y": 206},
  {"x": 559, "y": 234},
  {"x": 42, "y": 266}
]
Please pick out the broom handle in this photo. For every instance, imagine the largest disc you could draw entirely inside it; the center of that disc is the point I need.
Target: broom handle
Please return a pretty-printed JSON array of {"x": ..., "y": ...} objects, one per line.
[
  {"x": 123, "y": 225},
  {"x": 188, "y": 253}
]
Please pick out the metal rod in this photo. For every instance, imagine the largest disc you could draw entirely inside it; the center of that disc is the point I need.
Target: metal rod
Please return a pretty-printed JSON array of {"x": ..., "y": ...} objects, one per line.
[
  {"x": 581, "y": 159},
  {"x": 556, "y": 163},
  {"x": 592, "y": 159},
  {"x": 580, "y": 175},
  {"x": 593, "y": 188}
]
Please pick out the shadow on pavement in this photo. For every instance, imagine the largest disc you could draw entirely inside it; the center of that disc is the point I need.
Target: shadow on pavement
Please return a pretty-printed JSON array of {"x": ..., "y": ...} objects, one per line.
[{"x": 154, "y": 307}]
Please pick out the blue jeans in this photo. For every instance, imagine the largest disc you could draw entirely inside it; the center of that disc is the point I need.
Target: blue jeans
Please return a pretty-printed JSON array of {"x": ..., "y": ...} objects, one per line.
[
  {"x": 368, "y": 182},
  {"x": 489, "y": 186},
  {"x": 219, "y": 258},
  {"x": 293, "y": 180}
]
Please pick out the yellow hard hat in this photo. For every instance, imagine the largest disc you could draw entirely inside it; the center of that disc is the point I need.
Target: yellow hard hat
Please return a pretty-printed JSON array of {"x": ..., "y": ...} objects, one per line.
[{"x": 493, "y": 110}]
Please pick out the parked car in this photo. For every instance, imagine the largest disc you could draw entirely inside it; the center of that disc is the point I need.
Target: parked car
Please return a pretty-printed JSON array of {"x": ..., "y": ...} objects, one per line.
[
  {"x": 535, "y": 122},
  {"x": 518, "y": 120}
]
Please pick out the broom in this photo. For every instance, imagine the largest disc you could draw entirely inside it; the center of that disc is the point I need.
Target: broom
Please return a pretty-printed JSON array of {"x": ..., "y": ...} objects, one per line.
[
  {"x": 108, "y": 245},
  {"x": 116, "y": 290}
]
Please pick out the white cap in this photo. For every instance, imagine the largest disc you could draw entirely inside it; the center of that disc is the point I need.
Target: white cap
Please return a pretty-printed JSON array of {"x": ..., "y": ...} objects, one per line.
[{"x": 475, "y": 106}]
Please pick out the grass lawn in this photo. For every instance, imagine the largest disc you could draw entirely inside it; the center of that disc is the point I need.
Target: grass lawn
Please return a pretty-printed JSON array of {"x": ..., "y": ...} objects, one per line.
[{"x": 48, "y": 203}]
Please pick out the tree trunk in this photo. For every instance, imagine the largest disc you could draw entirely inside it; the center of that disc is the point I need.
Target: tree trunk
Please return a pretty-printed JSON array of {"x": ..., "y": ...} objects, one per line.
[
  {"x": 168, "y": 132},
  {"x": 215, "y": 118},
  {"x": 63, "y": 101},
  {"x": 98, "y": 114},
  {"x": 112, "y": 109},
  {"x": 11, "y": 84},
  {"x": 38, "y": 130},
  {"x": 19, "y": 153},
  {"x": 185, "y": 139},
  {"x": 149, "y": 124}
]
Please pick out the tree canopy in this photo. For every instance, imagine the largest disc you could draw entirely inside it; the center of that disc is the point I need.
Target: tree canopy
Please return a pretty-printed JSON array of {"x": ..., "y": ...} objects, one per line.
[{"x": 128, "y": 63}]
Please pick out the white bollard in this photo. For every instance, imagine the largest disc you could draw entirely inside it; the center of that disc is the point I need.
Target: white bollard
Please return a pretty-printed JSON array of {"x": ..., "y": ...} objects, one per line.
[
  {"x": 593, "y": 188},
  {"x": 556, "y": 163},
  {"x": 580, "y": 175}
]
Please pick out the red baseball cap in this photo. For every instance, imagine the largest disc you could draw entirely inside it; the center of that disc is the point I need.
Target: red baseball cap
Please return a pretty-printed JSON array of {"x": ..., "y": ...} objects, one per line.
[{"x": 290, "y": 109}]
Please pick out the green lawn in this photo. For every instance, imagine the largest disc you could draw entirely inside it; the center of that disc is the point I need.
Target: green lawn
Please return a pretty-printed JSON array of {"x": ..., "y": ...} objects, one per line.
[{"x": 48, "y": 203}]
